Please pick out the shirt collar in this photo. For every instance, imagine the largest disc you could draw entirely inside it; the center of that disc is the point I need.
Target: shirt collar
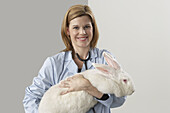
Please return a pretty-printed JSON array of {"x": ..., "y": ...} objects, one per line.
[
  {"x": 93, "y": 53},
  {"x": 70, "y": 62}
]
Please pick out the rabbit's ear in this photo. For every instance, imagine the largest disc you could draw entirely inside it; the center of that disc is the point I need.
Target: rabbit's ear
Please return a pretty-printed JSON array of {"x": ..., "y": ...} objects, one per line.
[
  {"x": 103, "y": 68},
  {"x": 111, "y": 61}
]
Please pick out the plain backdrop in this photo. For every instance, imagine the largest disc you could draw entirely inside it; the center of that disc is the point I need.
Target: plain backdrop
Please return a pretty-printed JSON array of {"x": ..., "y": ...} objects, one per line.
[
  {"x": 29, "y": 33},
  {"x": 137, "y": 32}
]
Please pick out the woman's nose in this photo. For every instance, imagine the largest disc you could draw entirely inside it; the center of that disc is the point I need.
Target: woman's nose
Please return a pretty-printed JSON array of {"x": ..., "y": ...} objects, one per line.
[{"x": 82, "y": 31}]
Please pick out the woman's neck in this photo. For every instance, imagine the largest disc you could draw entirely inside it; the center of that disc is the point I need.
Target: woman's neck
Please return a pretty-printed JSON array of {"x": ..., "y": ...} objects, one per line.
[{"x": 82, "y": 52}]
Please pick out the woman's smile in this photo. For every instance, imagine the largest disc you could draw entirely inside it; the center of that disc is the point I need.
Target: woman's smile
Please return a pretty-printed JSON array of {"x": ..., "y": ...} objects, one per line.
[{"x": 82, "y": 38}]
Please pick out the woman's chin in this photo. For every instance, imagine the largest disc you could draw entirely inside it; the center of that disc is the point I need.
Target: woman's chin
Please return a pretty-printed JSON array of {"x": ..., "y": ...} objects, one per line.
[{"x": 84, "y": 46}]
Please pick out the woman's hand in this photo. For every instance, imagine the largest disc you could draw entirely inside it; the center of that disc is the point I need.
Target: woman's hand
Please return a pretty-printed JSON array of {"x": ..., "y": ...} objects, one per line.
[
  {"x": 78, "y": 83},
  {"x": 75, "y": 83}
]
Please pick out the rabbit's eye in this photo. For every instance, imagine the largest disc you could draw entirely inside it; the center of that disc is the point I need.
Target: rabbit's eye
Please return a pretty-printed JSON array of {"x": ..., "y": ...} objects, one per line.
[{"x": 125, "y": 80}]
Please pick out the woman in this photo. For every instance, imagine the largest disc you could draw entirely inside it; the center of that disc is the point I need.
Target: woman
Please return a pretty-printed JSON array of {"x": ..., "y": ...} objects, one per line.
[{"x": 80, "y": 35}]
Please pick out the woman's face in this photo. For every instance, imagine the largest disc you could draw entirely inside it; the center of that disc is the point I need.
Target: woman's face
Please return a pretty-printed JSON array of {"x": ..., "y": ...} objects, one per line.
[{"x": 81, "y": 32}]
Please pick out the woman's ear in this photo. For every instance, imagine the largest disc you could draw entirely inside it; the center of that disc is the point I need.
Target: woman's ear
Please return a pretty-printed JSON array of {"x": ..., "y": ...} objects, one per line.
[{"x": 68, "y": 32}]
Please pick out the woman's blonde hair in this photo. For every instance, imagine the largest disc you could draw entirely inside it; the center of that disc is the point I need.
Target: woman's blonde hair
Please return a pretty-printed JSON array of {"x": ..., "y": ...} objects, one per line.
[{"x": 74, "y": 12}]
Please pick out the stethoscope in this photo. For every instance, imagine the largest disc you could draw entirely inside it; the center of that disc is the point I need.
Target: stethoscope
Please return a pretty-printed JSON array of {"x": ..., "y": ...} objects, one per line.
[{"x": 85, "y": 62}]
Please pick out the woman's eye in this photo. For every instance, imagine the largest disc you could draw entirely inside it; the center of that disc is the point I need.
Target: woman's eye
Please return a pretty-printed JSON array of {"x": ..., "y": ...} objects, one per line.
[
  {"x": 87, "y": 27},
  {"x": 75, "y": 27}
]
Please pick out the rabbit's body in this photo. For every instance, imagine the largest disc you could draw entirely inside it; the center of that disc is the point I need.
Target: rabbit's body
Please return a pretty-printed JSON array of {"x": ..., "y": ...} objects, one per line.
[
  {"x": 102, "y": 83},
  {"x": 81, "y": 101},
  {"x": 73, "y": 102}
]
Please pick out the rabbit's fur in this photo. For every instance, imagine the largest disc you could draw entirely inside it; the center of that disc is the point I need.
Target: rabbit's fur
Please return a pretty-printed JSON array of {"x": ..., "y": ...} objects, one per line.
[{"x": 110, "y": 79}]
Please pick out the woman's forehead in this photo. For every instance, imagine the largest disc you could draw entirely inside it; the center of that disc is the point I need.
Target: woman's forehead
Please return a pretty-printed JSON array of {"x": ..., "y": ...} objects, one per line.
[{"x": 83, "y": 20}]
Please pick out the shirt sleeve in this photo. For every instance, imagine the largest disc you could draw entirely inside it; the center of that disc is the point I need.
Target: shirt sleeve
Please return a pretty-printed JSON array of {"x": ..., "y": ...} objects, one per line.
[
  {"x": 112, "y": 101},
  {"x": 40, "y": 85}
]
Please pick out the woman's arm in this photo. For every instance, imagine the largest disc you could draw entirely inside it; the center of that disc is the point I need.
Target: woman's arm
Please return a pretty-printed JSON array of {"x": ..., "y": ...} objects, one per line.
[
  {"x": 112, "y": 101},
  {"x": 41, "y": 83},
  {"x": 78, "y": 82}
]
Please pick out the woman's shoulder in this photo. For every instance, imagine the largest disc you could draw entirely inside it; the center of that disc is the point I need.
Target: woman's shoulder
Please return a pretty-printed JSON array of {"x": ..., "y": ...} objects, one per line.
[
  {"x": 62, "y": 56},
  {"x": 53, "y": 59},
  {"x": 99, "y": 52},
  {"x": 58, "y": 56}
]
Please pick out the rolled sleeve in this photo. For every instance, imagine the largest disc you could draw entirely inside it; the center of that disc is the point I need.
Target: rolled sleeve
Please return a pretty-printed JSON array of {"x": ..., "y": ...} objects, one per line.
[
  {"x": 112, "y": 101},
  {"x": 40, "y": 85}
]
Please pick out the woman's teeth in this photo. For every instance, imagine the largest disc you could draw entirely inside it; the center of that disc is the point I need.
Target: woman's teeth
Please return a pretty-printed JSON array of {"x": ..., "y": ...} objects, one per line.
[{"x": 82, "y": 39}]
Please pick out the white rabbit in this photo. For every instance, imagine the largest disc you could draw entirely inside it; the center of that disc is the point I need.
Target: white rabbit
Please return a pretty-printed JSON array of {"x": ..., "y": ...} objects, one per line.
[{"x": 110, "y": 79}]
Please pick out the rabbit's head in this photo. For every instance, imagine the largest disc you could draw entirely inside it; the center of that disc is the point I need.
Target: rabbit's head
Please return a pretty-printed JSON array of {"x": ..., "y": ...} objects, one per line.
[{"x": 114, "y": 71}]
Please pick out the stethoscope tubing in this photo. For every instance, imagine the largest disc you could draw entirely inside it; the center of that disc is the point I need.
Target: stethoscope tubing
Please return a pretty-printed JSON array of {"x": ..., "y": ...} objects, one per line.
[{"x": 84, "y": 60}]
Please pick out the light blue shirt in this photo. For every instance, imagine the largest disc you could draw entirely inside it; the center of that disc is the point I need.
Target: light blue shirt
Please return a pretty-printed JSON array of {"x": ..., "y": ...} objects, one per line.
[{"x": 57, "y": 68}]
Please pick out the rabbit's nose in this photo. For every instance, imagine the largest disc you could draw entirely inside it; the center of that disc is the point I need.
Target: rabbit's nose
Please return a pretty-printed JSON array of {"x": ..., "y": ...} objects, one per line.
[{"x": 133, "y": 91}]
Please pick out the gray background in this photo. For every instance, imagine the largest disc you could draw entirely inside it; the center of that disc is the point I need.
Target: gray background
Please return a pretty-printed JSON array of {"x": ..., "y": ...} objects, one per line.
[
  {"x": 135, "y": 31},
  {"x": 29, "y": 33}
]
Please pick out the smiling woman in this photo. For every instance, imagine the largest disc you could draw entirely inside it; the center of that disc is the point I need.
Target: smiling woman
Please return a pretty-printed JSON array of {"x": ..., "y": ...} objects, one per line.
[
  {"x": 80, "y": 35},
  {"x": 72, "y": 22}
]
